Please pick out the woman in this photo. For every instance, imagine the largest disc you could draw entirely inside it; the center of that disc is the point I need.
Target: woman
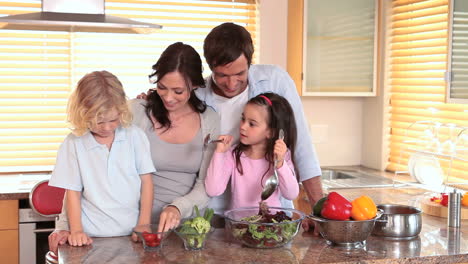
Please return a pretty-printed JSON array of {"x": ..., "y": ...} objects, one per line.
[{"x": 176, "y": 123}]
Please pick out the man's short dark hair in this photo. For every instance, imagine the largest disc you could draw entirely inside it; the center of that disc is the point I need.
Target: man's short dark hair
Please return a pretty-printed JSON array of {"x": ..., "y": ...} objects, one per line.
[{"x": 225, "y": 43}]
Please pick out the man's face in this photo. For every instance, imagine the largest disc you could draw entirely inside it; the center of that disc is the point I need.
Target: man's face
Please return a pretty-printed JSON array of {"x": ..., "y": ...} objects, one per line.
[{"x": 231, "y": 79}]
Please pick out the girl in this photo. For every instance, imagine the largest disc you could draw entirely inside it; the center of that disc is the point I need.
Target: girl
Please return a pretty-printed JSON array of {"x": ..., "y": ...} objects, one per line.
[
  {"x": 104, "y": 164},
  {"x": 250, "y": 163}
]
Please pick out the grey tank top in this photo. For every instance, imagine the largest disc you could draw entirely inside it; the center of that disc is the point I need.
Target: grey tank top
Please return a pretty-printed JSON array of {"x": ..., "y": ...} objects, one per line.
[{"x": 177, "y": 166}]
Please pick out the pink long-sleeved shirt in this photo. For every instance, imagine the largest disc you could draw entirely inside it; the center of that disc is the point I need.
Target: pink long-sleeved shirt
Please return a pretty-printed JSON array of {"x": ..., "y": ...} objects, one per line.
[{"x": 246, "y": 189}]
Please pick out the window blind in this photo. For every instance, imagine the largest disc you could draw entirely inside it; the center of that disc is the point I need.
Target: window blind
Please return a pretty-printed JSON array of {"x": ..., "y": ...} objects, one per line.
[
  {"x": 418, "y": 61},
  {"x": 39, "y": 69}
]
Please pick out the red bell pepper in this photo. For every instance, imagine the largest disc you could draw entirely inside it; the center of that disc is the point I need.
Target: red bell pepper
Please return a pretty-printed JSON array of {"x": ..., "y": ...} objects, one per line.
[
  {"x": 444, "y": 200},
  {"x": 336, "y": 207}
]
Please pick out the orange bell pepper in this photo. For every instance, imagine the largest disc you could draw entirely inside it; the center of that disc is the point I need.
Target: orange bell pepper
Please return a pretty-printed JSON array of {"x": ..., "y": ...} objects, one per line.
[
  {"x": 363, "y": 208},
  {"x": 465, "y": 200}
]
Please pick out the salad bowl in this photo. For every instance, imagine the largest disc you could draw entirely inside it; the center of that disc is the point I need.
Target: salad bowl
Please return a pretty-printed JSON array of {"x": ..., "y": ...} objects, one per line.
[{"x": 272, "y": 229}]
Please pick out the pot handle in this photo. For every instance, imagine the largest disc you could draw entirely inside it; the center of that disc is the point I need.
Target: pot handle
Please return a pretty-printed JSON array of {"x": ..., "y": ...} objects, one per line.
[
  {"x": 380, "y": 216},
  {"x": 316, "y": 218}
]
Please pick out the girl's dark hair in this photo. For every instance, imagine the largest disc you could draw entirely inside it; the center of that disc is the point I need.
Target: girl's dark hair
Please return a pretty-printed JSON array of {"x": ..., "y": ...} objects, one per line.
[
  {"x": 225, "y": 43},
  {"x": 182, "y": 58},
  {"x": 280, "y": 116}
]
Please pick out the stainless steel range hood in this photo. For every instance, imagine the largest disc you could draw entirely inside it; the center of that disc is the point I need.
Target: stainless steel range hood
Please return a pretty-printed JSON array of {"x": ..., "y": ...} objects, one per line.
[{"x": 75, "y": 15}]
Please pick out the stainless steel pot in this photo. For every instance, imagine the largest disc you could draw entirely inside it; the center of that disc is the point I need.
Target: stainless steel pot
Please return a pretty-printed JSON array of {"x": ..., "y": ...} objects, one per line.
[{"x": 398, "y": 222}]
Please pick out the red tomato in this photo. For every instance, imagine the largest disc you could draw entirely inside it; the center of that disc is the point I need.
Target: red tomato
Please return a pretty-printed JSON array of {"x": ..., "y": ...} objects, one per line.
[
  {"x": 152, "y": 244},
  {"x": 269, "y": 244},
  {"x": 150, "y": 237}
]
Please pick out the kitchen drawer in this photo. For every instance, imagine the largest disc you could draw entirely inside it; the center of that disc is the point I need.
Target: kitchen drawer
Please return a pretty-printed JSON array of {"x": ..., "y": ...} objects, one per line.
[
  {"x": 9, "y": 213},
  {"x": 9, "y": 246}
]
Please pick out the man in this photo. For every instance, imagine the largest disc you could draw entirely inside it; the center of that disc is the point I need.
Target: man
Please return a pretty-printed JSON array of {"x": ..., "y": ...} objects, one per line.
[{"x": 228, "y": 50}]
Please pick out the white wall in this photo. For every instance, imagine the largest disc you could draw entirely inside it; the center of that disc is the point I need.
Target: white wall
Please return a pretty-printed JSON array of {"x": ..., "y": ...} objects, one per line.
[
  {"x": 336, "y": 122},
  {"x": 273, "y": 30}
]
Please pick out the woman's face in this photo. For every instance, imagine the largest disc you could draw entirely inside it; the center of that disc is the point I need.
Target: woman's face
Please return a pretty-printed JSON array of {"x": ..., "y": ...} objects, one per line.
[{"x": 173, "y": 91}]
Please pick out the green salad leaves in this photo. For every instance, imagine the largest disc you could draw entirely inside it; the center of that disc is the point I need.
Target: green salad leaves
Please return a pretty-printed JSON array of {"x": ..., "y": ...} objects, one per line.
[{"x": 266, "y": 230}]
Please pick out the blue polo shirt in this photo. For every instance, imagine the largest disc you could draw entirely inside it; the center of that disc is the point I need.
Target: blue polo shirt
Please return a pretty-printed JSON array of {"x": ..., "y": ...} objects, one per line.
[{"x": 109, "y": 180}]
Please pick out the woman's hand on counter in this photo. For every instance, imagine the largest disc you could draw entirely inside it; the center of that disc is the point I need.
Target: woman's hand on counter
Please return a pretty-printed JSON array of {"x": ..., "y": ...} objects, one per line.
[{"x": 169, "y": 218}]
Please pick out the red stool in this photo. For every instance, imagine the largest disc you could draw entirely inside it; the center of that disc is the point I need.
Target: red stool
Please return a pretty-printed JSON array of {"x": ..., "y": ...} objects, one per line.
[{"x": 47, "y": 201}]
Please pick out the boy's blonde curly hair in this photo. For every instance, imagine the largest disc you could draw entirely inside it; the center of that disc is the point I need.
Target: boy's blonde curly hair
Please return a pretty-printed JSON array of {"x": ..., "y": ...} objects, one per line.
[{"x": 97, "y": 93}]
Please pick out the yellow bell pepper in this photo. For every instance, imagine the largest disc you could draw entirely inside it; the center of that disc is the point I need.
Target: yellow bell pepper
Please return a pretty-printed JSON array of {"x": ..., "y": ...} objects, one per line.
[
  {"x": 363, "y": 208},
  {"x": 465, "y": 200}
]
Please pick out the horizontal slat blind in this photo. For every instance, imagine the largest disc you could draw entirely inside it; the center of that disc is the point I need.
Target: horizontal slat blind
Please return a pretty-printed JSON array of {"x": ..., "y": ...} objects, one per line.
[
  {"x": 38, "y": 69},
  {"x": 418, "y": 61}
]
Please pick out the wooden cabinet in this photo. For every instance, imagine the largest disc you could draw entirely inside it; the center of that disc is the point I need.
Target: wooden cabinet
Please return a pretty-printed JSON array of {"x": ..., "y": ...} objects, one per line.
[
  {"x": 295, "y": 31},
  {"x": 9, "y": 235},
  {"x": 333, "y": 46}
]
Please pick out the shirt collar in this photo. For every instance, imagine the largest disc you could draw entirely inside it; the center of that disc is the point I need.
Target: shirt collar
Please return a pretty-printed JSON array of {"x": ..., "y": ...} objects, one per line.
[
  {"x": 207, "y": 95},
  {"x": 90, "y": 142},
  {"x": 256, "y": 75}
]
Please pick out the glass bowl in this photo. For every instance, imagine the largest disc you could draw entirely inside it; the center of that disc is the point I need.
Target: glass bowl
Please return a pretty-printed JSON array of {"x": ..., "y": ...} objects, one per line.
[
  {"x": 193, "y": 240},
  {"x": 260, "y": 234},
  {"x": 150, "y": 237}
]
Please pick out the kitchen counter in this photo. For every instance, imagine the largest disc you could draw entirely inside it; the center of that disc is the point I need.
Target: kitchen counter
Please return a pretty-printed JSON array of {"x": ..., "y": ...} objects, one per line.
[
  {"x": 435, "y": 244},
  {"x": 18, "y": 186}
]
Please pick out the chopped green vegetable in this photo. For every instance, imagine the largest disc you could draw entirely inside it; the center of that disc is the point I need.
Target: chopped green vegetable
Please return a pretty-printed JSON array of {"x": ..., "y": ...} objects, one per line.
[
  {"x": 255, "y": 233},
  {"x": 252, "y": 219},
  {"x": 289, "y": 230},
  {"x": 267, "y": 230},
  {"x": 239, "y": 232},
  {"x": 195, "y": 229},
  {"x": 201, "y": 225}
]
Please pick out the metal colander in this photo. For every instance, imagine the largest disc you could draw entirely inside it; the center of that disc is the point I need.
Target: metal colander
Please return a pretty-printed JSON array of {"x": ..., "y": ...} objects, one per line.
[{"x": 350, "y": 234}]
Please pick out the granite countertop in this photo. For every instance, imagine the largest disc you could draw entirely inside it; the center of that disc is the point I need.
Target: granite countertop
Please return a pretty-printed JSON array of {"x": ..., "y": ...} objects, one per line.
[{"x": 435, "y": 244}]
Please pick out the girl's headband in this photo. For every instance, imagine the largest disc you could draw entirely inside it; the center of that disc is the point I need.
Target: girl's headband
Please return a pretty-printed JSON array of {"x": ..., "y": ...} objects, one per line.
[{"x": 267, "y": 99}]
